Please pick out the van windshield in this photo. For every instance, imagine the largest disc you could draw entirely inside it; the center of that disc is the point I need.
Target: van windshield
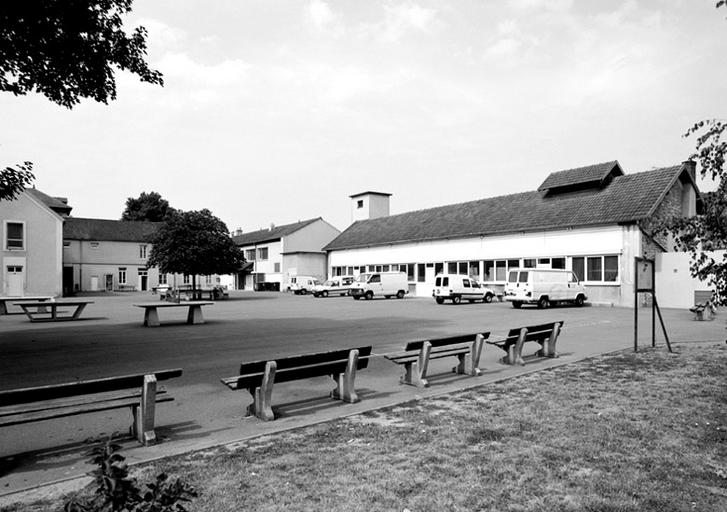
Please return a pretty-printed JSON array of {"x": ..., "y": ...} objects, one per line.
[{"x": 523, "y": 277}]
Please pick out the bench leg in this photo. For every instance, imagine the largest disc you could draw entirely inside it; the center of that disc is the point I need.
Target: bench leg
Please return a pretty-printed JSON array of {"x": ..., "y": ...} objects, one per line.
[
  {"x": 78, "y": 311},
  {"x": 416, "y": 372},
  {"x": 262, "y": 404},
  {"x": 143, "y": 427},
  {"x": 515, "y": 352},
  {"x": 345, "y": 389},
  {"x": 469, "y": 365},
  {"x": 550, "y": 344},
  {"x": 151, "y": 317},
  {"x": 194, "y": 316}
]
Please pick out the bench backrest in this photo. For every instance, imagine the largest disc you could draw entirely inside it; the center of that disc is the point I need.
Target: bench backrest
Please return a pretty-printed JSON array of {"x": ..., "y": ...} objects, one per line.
[
  {"x": 444, "y": 342},
  {"x": 535, "y": 332},
  {"x": 82, "y": 387},
  {"x": 302, "y": 366}
]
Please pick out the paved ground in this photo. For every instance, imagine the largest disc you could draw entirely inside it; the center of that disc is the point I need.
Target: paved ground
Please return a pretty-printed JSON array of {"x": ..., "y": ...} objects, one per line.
[{"x": 249, "y": 326}]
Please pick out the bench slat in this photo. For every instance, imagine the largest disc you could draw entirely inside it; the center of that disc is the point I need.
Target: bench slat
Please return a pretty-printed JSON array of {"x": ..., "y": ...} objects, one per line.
[
  {"x": 83, "y": 387},
  {"x": 60, "y": 403},
  {"x": 74, "y": 410},
  {"x": 407, "y": 357},
  {"x": 450, "y": 340},
  {"x": 307, "y": 360},
  {"x": 253, "y": 380}
]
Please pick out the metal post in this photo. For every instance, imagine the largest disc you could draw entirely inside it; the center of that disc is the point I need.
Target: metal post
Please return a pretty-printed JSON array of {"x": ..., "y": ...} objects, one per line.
[{"x": 636, "y": 305}]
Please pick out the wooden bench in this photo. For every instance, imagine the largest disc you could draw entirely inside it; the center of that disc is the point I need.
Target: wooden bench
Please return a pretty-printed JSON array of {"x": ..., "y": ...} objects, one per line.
[
  {"x": 704, "y": 310},
  {"x": 258, "y": 377},
  {"x": 151, "y": 314},
  {"x": 5, "y": 300},
  {"x": 544, "y": 334},
  {"x": 140, "y": 392},
  {"x": 417, "y": 354},
  {"x": 53, "y": 311}
]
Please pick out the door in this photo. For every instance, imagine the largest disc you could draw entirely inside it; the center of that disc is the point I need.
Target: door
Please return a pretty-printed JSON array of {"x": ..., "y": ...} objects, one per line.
[
  {"x": 94, "y": 283},
  {"x": 109, "y": 282},
  {"x": 67, "y": 281},
  {"x": 15, "y": 280},
  {"x": 143, "y": 279}
]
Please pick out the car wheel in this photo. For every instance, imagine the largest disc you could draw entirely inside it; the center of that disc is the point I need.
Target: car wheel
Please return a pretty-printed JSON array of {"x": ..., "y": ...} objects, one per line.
[
  {"x": 369, "y": 295},
  {"x": 325, "y": 293},
  {"x": 400, "y": 294},
  {"x": 517, "y": 304},
  {"x": 488, "y": 298},
  {"x": 456, "y": 299},
  {"x": 543, "y": 303},
  {"x": 439, "y": 300},
  {"x": 356, "y": 297},
  {"x": 579, "y": 301},
  {"x": 303, "y": 291}
]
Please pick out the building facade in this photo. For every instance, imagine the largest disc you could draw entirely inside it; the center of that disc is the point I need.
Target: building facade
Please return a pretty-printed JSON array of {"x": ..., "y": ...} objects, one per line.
[
  {"x": 592, "y": 220},
  {"x": 276, "y": 254}
]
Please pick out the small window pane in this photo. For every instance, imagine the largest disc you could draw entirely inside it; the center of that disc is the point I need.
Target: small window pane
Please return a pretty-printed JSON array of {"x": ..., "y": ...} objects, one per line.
[
  {"x": 462, "y": 268},
  {"x": 594, "y": 269},
  {"x": 410, "y": 271},
  {"x": 438, "y": 268},
  {"x": 557, "y": 263},
  {"x": 523, "y": 277},
  {"x": 610, "y": 268},
  {"x": 489, "y": 275},
  {"x": 513, "y": 263},
  {"x": 466, "y": 283},
  {"x": 500, "y": 270},
  {"x": 421, "y": 272},
  {"x": 579, "y": 268},
  {"x": 529, "y": 263},
  {"x": 452, "y": 267}
]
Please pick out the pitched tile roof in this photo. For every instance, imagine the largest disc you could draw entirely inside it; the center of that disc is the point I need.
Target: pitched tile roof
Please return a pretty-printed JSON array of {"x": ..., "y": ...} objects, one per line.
[
  {"x": 591, "y": 174},
  {"x": 76, "y": 228},
  {"x": 626, "y": 199},
  {"x": 53, "y": 203},
  {"x": 269, "y": 235}
]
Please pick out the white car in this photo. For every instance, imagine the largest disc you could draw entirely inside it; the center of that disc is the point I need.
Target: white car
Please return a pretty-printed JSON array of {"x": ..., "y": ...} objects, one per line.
[
  {"x": 336, "y": 286},
  {"x": 456, "y": 287}
]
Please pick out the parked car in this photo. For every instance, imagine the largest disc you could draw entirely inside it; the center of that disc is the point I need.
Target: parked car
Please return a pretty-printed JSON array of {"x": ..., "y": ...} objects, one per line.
[
  {"x": 543, "y": 287},
  {"x": 380, "y": 284},
  {"x": 300, "y": 285},
  {"x": 456, "y": 287},
  {"x": 335, "y": 286}
]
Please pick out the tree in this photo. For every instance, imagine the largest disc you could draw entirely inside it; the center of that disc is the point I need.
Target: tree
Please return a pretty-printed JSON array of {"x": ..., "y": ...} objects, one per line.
[
  {"x": 151, "y": 207},
  {"x": 194, "y": 243},
  {"x": 66, "y": 50},
  {"x": 702, "y": 234},
  {"x": 13, "y": 181}
]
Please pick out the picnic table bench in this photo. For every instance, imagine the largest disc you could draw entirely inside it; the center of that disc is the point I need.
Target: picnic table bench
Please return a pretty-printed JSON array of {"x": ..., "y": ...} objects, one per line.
[
  {"x": 544, "y": 334},
  {"x": 258, "y": 377},
  {"x": 30, "y": 298},
  {"x": 416, "y": 356},
  {"x": 139, "y": 392},
  {"x": 53, "y": 311},
  {"x": 151, "y": 314}
]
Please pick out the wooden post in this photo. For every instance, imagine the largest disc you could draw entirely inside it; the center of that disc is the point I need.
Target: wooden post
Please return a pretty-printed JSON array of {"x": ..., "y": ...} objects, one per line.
[
  {"x": 416, "y": 372},
  {"x": 518, "y": 353},
  {"x": 550, "y": 344},
  {"x": 474, "y": 356},
  {"x": 144, "y": 412},
  {"x": 345, "y": 390},
  {"x": 264, "y": 394}
]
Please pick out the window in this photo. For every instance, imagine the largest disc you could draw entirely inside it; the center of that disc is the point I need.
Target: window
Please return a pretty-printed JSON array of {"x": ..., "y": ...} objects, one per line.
[
  {"x": 276, "y": 267},
  {"x": 474, "y": 270},
  {"x": 376, "y": 278},
  {"x": 594, "y": 269},
  {"x": 488, "y": 271},
  {"x": 578, "y": 267},
  {"x": 262, "y": 253},
  {"x": 359, "y": 203},
  {"x": 378, "y": 268},
  {"x": 610, "y": 269},
  {"x": 452, "y": 267},
  {"x": 438, "y": 268},
  {"x": 466, "y": 283},
  {"x": 142, "y": 251},
  {"x": 250, "y": 254},
  {"x": 462, "y": 268},
  {"x": 500, "y": 270},
  {"x": 557, "y": 263},
  {"x": 386, "y": 268},
  {"x": 207, "y": 279},
  {"x": 529, "y": 263},
  {"x": 543, "y": 261},
  {"x": 349, "y": 272},
  {"x": 421, "y": 272},
  {"x": 14, "y": 236},
  {"x": 513, "y": 264},
  {"x": 523, "y": 277},
  {"x": 122, "y": 275},
  {"x": 162, "y": 279},
  {"x": 410, "y": 272},
  {"x": 94, "y": 245}
]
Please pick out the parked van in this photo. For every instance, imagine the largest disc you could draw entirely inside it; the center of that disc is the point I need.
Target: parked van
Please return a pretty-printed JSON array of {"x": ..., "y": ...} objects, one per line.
[
  {"x": 335, "y": 286},
  {"x": 543, "y": 287},
  {"x": 456, "y": 287},
  {"x": 380, "y": 284},
  {"x": 300, "y": 285}
]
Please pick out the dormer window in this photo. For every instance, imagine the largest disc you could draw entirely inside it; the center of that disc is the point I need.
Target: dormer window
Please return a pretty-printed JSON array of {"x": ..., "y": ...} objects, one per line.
[{"x": 359, "y": 203}]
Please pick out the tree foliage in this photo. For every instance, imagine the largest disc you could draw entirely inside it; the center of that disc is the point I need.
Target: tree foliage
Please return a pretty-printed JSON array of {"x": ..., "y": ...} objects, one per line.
[
  {"x": 67, "y": 49},
  {"x": 151, "y": 207},
  {"x": 194, "y": 243},
  {"x": 13, "y": 181}
]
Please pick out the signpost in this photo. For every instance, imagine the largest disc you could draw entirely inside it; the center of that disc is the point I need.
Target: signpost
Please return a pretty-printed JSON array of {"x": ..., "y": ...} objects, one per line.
[{"x": 644, "y": 282}]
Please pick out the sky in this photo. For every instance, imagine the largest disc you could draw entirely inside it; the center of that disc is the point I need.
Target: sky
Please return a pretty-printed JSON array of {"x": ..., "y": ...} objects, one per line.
[{"x": 278, "y": 111}]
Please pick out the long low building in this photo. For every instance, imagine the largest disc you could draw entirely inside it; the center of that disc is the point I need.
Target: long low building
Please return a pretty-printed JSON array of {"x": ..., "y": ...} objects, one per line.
[{"x": 593, "y": 220}]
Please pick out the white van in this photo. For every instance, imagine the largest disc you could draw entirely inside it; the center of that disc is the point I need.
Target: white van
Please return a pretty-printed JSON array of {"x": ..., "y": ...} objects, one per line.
[
  {"x": 380, "y": 284},
  {"x": 334, "y": 286},
  {"x": 300, "y": 285},
  {"x": 543, "y": 287},
  {"x": 456, "y": 287}
]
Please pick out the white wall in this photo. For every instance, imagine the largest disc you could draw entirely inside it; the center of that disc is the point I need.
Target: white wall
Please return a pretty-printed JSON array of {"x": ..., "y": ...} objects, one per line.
[{"x": 675, "y": 286}]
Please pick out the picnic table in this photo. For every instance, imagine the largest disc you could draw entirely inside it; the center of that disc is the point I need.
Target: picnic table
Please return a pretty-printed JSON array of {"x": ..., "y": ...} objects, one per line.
[
  {"x": 151, "y": 313},
  {"x": 53, "y": 311},
  {"x": 29, "y": 298}
]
